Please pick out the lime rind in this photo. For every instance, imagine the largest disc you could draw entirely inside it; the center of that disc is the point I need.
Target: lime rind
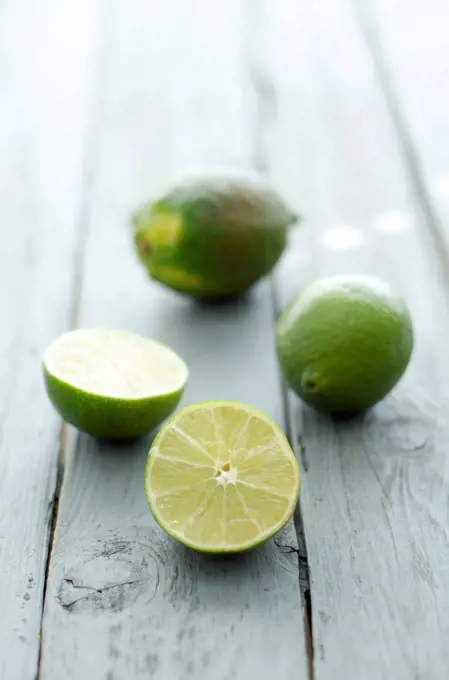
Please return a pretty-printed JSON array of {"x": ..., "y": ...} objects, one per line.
[{"x": 111, "y": 416}]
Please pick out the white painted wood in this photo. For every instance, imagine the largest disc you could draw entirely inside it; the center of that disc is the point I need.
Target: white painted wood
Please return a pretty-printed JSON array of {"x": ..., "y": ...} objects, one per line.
[
  {"x": 123, "y": 600},
  {"x": 411, "y": 51},
  {"x": 374, "y": 497},
  {"x": 45, "y": 61}
]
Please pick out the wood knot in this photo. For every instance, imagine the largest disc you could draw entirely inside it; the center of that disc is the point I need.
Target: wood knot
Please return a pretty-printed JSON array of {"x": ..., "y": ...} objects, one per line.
[{"x": 111, "y": 579}]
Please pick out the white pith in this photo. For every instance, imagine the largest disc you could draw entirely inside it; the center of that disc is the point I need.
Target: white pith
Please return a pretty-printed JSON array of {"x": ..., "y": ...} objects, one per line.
[{"x": 115, "y": 364}]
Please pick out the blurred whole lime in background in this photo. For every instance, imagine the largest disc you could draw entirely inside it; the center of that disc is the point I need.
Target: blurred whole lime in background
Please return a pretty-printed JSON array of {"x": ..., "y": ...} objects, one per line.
[
  {"x": 212, "y": 237},
  {"x": 344, "y": 342}
]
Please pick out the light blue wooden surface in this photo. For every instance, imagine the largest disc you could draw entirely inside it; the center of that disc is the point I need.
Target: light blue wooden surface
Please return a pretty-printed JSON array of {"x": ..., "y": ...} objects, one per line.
[
  {"x": 153, "y": 608},
  {"x": 374, "y": 497},
  {"x": 44, "y": 108},
  {"x": 343, "y": 105}
]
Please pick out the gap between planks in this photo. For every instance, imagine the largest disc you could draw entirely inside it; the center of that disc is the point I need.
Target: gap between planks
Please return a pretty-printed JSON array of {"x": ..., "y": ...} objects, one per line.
[
  {"x": 98, "y": 97},
  {"x": 369, "y": 27},
  {"x": 264, "y": 92},
  {"x": 99, "y": 83},
  {"x": 301, "y": 550}
]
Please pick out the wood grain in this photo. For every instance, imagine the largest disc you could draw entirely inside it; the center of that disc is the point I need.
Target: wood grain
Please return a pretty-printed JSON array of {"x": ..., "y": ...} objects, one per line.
[
  {"x": 374, "y": 497},
  {"x": 43, "y": 110},
  {"x": 123, "y": 600},
  {"x": 411, "y": 55}
]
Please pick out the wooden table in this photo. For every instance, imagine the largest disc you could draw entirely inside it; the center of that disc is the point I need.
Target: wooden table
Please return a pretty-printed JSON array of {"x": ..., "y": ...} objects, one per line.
[{"x": 344, "y": 105}]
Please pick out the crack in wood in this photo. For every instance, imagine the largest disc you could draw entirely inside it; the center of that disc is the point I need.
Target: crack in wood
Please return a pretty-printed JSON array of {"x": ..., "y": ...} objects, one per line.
[
  {"x": 52, "y": 521},
  {"x": 286, "y": 549},
  {"x": 96, "y": 591},
  {"x": 304, "y": 579},
  {"x": 302, "y": 452},
  {"x": 296, "y": 441}
]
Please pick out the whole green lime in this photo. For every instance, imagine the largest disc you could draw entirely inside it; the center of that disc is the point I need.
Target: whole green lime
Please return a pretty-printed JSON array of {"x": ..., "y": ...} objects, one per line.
[
  {"x": 212, "y": 237},
  {"x": 344, "y": 342}
]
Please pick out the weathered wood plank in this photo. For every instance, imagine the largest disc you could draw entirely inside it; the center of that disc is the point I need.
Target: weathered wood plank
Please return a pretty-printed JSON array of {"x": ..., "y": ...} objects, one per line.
[
  {"x": 374, "y": 497},
  {"x": 123, "y": 599},
  {"x": 411, "y": 54},
  {"x": 44, "y": 87}
]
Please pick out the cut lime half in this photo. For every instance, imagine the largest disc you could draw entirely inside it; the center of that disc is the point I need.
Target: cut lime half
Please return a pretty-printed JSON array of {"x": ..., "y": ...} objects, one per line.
[
  {"x": 112, "y": 384},
  {"x": 221, "y": 477}
]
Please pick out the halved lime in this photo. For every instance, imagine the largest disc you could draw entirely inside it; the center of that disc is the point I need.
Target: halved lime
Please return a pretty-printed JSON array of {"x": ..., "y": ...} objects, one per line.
[
  {"x": 221, "y": 477},
  {"x": 112, "y": 384}
]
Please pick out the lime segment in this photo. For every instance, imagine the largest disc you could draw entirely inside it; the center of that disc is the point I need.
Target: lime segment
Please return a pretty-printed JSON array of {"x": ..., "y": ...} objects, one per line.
[
  {"x": 113, "y": 384},
  {"x": 221, "y": 477}
]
